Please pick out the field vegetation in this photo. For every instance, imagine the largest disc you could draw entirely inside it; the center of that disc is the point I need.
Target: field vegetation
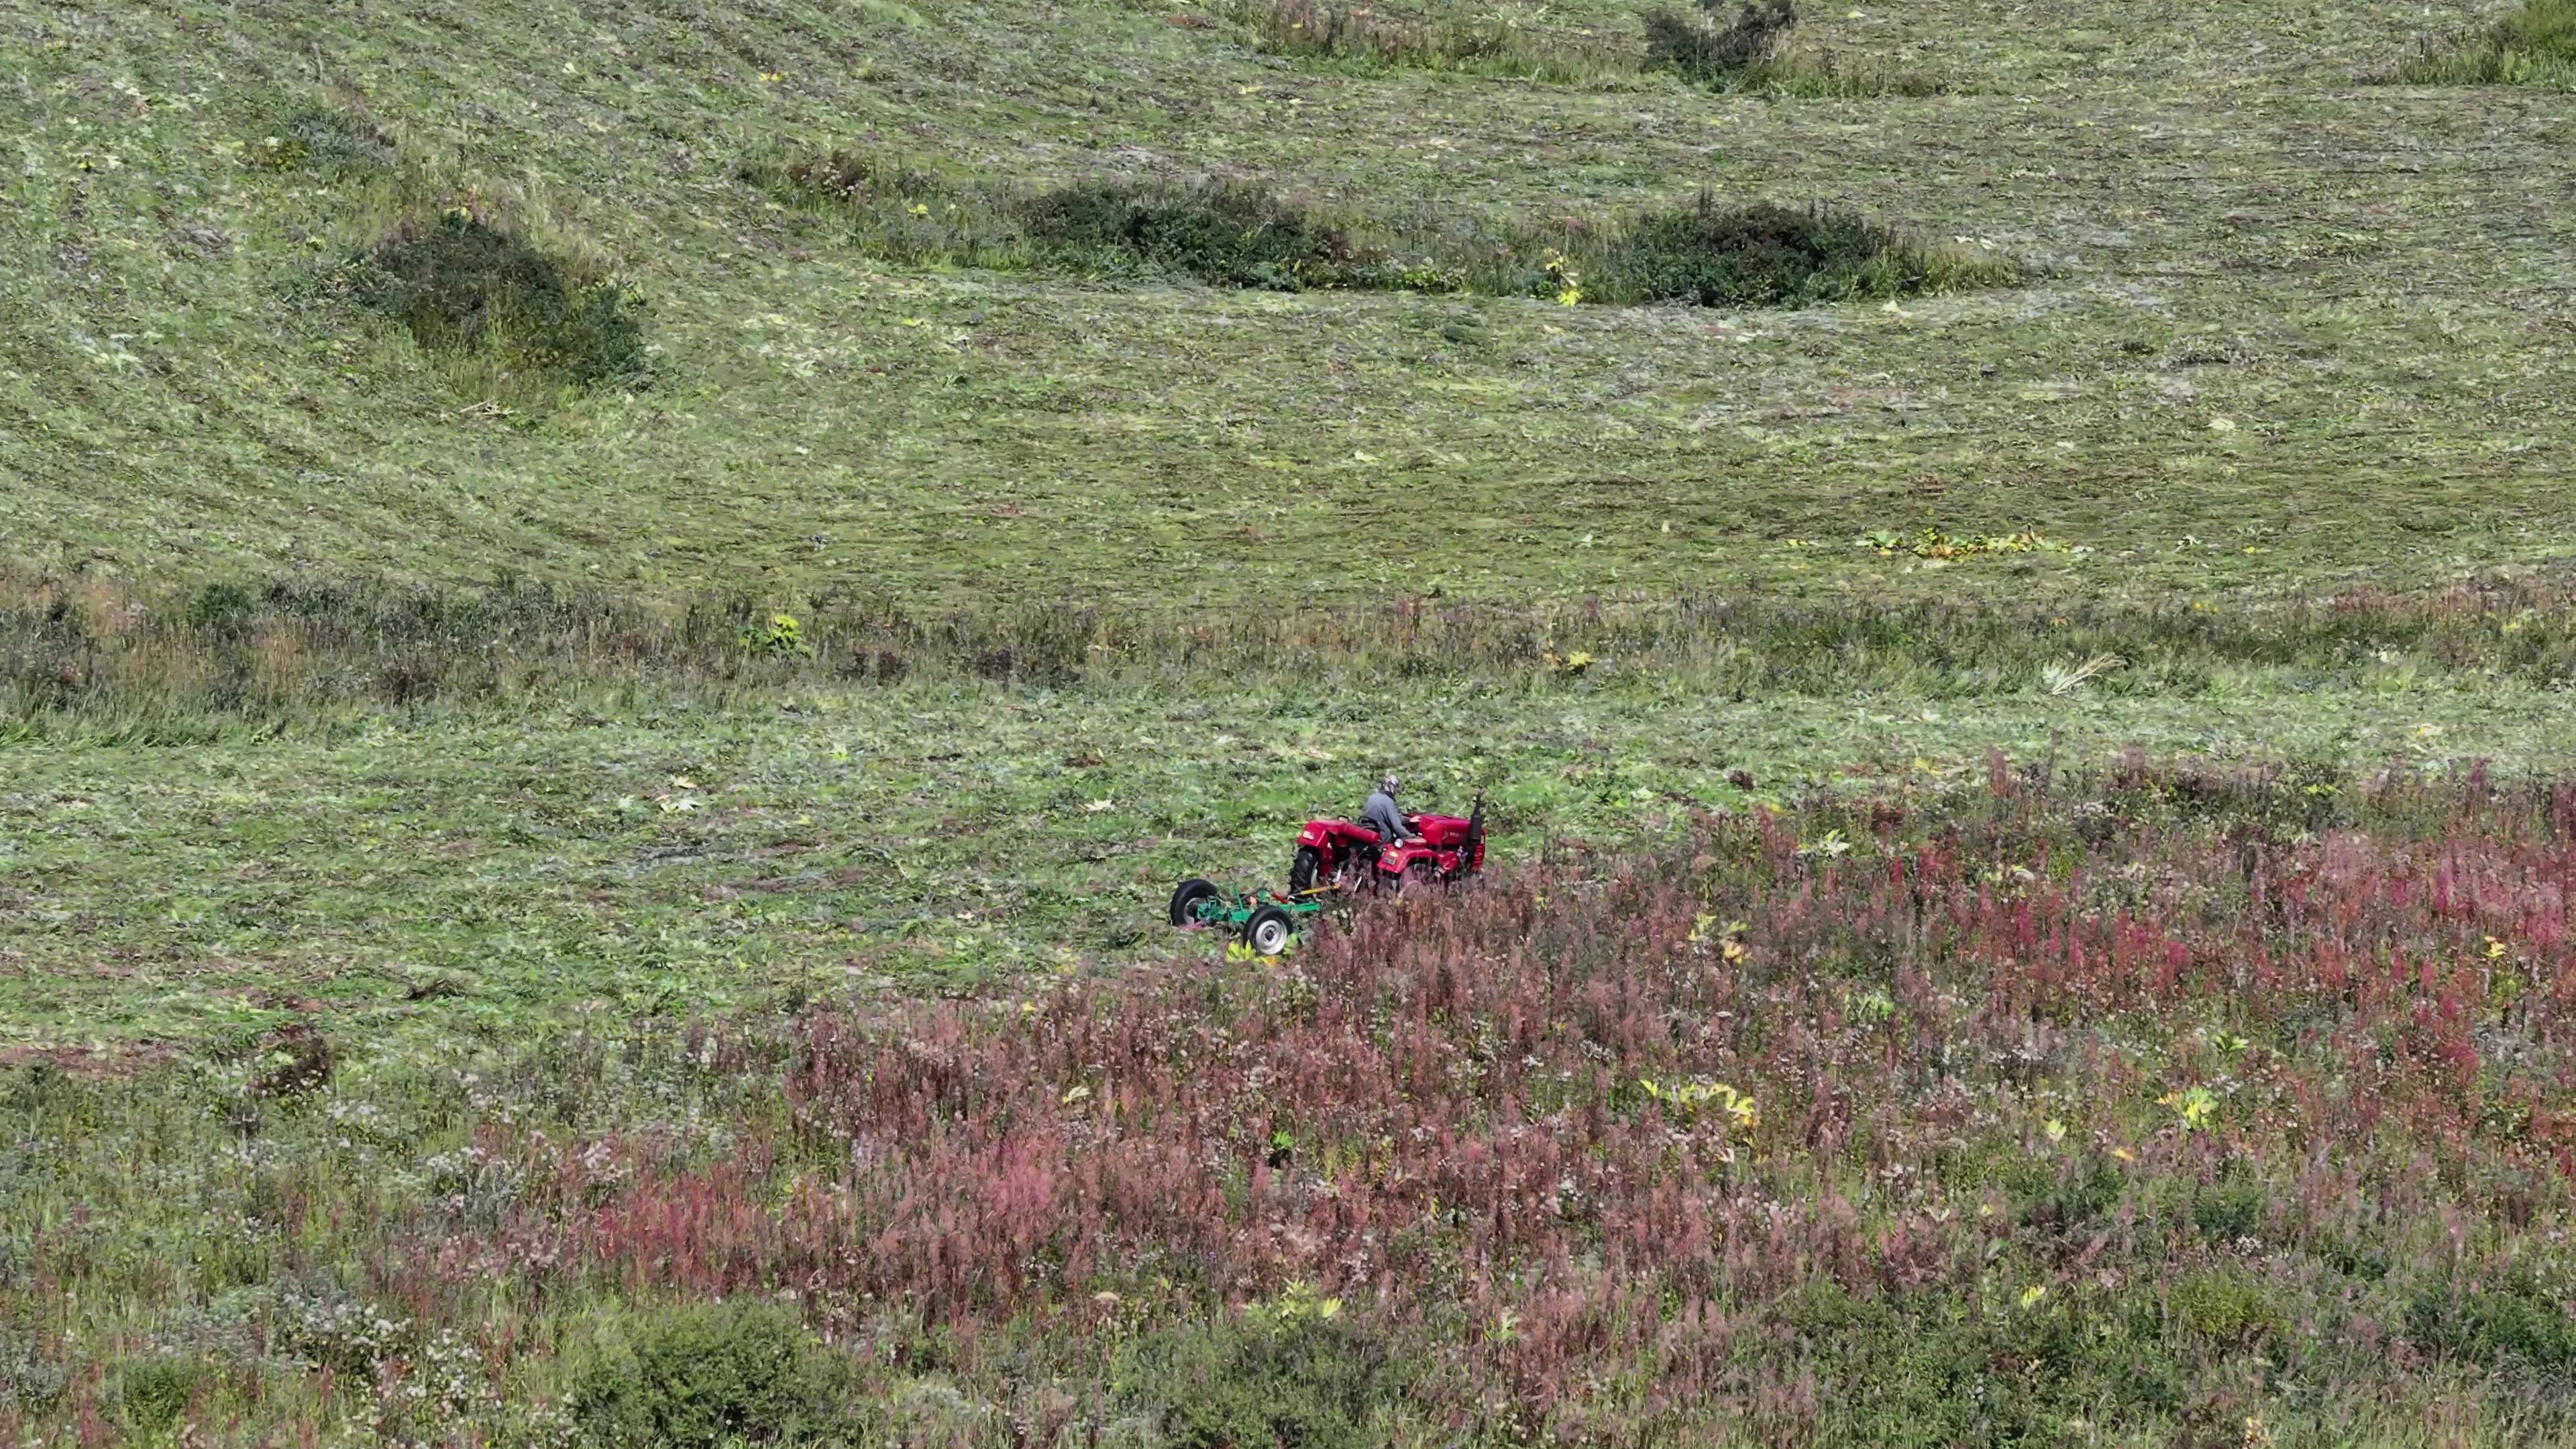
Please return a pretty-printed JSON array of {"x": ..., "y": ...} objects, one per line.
[
  {"x": 1241, "y": 234},
  {"x": 2534, "y": 45},
  {"x": 614, "y": 628},
  {"x": 2172, "y": 1106}
]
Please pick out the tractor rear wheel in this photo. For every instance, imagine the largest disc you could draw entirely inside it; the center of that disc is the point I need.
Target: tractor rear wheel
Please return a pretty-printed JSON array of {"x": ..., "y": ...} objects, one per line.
[
  {"x": 1185, "y": 900},
  {"x": 1269, "y": 931},
  {"x": 1302, "y": 870}
]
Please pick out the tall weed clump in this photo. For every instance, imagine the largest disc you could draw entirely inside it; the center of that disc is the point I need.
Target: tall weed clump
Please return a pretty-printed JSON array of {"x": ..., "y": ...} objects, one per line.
[
  {"x": 467, "y": 282},
  {"x": 1703, "y": 49},
  {"x": 1224, "y": 233},
  {"x": 1298, "y": 1371},
  {"x": 1756, "y": 51},
  {"x": 486, "y": 277},
  {"x": 1764, "y": 255},
  {"x": 1233, "y": 232},
  {"x": 2535, "y": 45}
]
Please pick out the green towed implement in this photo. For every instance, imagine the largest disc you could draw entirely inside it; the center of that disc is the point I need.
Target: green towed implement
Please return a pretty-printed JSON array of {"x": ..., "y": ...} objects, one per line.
[{"x": 1266, "y": 921}]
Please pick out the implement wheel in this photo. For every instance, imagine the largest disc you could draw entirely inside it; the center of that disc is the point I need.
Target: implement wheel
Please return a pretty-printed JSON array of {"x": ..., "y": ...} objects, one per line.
[
  {"x": 1186, "y": 899},
  {"x": 1269, "y": 931}
]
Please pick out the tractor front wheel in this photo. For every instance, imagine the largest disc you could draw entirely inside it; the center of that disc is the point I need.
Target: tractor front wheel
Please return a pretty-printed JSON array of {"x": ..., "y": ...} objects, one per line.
[
  {"x": 1186, "y": 899},
  {"x": 1302, "y": 870},
  {"x": 1269, "y": 931}
]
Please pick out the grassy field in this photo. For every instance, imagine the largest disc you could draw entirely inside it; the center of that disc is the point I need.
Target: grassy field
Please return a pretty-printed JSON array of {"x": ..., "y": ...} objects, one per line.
[
  {"x": 583, "y": 863},
  {"x": 2276, "y": 308}
]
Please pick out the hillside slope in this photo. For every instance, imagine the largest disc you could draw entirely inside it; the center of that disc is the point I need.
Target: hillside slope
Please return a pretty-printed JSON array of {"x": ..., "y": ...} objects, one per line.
[{"x": 2283, "y": 326}]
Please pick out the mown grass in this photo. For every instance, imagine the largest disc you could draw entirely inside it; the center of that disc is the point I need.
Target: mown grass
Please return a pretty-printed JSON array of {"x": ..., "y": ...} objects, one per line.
[
  {"x": 2359, "y": 374},
  {"x": 2533, "y": 45},
  {"x": 1367, "y": 39},
  {"x": 1755, "y": 54}
]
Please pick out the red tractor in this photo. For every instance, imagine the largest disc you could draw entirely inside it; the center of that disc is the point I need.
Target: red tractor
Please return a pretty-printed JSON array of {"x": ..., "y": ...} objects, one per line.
[{"x": 1337, "y": 855}]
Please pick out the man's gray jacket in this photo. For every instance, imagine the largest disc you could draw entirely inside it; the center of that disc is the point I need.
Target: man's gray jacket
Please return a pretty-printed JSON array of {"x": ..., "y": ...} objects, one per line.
[{"x": 1382, "y": 815}]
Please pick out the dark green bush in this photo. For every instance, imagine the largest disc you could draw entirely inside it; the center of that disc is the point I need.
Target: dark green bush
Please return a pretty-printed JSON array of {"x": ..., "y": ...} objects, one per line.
[
  {"x": 1242, "y": 234},
  {"x": 1264, "y": 1379},
  {"x": 2513, "y": 1326},
  {"x": 223, "y": 610},
  {"x": 2227, "y": 1211},
  {"x": 1704, "y": 50},
  {"x": 1754, "y": 256},
  {"x": 151, "y": 1393},
  {"x": 2354, "y": 1258},
  {"x": 459, "y": 282},
  {"x": 29, "y": 1382},
  {"x": 705, "y": 1375},
  {"x": 1225, "y": 233}
]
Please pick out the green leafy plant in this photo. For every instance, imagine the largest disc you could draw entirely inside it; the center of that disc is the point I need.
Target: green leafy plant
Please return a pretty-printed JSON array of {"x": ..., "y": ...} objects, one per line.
[
  {"x": 1228, "y": 233},
  {"x": 2512, "y": 1325},
  {"x": 705, "y": 1375},
  {"x": 783, "y": 637},
  {"x": 2194, "y": 1107},
  {"x": 2225, "y": 1305},
  {"x": 1688, "y": 1103}
]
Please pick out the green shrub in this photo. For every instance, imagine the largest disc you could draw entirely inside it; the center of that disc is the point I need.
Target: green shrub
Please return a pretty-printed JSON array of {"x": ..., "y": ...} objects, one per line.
[
  {"x": 705, "y": 1375},
  {"x": 2535, "y": 45},
  {"x": 2076, "y": 1206},
  {"x": 29, "y": 1382},
  {"x": 1309, "y": 1379},
  {"x": 1226, "y": 233},
  {"x": 223, "y": 610},
  {"x": 781, "y": 638},
  {"x": 1703, "y": 50},
  {"x": 1931, "y": 1370},
  {"x": 1754, "y": 256},
  {"x": 2354, "y": 1258},
  {"x": 2225, "y": 1306},
  {"x": 2227, "y": 1211},
  {"x": 2515, "y": 1326},
  {"x": 462, "y": 283},
  {"x": 152, "y": 1393},
  {"x": 1242, "y": 234}
]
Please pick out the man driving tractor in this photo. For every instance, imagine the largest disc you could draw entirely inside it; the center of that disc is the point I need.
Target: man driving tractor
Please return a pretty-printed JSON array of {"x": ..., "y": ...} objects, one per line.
[
  {"x": 1386, "y": 847},
  {"x": 1384, "y": 816}
]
